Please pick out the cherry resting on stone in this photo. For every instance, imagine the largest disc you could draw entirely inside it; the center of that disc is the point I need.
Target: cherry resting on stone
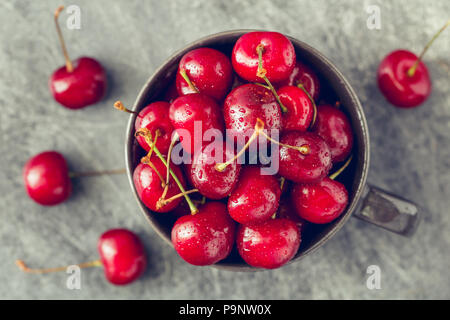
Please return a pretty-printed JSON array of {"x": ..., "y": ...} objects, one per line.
[
  {"x": 207, "y": 71},
  {"x": 206, "y": 237},
  {"x": 79, "y": 83},
  {"x": 403, "y": 78},
  {"x": 255, "y": 198},
  {"x": 269, "y": 244},
  {"x": 122, "y": 256},
  {"x": 46, "y": 178}
]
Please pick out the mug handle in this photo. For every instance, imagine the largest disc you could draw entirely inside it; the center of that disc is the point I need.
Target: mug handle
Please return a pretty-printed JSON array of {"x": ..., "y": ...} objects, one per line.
[{"x": 388, "y": 211}]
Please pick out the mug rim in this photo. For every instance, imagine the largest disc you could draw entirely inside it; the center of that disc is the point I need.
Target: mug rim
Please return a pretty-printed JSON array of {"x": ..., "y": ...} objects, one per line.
[{"x": 362, "y": 122}]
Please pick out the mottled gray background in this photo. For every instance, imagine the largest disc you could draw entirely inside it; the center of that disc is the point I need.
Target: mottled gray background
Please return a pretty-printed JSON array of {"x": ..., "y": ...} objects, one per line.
[{"x": 410, "y": 149}]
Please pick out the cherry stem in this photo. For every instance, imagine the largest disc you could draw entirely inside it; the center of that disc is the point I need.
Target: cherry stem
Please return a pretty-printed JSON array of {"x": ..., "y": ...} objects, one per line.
[
  {"x": 259, "y": 126},
  {"x": 303, "y": 149},
  {"x": 175, "y": 138},
  {"x": 259, "y": 129},
  {"x": 282, "y": 181},
  {"x": 69, "y": 65},
  {"x": 339, "y": 171},
  {"x": 119, "y": 106},
  {"x": 162, "y": 202},
  {"x": 96, "y": 173},
  {"x": 22, "y": 266},
  {"x": 412, "y": 70},
  {"x": 300, "y": 85},
  {"x": 189, "y": 82},
  {"x": 262, "y": 74},
  {"x": 147, "y": 136}
]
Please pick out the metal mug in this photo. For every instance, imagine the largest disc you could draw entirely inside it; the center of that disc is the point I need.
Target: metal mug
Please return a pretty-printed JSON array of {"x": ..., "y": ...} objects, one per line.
[{"x": 365, "y": 201}]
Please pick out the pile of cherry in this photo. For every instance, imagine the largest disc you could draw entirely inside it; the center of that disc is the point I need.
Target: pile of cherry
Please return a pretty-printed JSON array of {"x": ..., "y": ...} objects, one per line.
[{"x": 260, "y": 89}]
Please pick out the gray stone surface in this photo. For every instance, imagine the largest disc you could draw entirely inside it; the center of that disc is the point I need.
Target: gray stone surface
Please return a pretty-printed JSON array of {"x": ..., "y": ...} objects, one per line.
[{"x": 410, "y": 148}]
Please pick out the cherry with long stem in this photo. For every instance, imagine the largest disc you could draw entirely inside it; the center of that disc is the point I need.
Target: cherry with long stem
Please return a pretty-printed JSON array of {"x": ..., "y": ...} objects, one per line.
[
  {"x": 69, "y": 65},
  {"x": 262, "y": 74},
  {"x": 412, "y": 70},
  {"x": 146, "y": 134}
]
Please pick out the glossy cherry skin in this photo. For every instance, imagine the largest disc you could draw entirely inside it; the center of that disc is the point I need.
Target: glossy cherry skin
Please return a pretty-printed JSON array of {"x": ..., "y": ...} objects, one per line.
[
  {"x": 278, "y": 57},
  {"x": 298, "y": 167},
  {"x": 46, "y": 178},
  {"x": 397, "y": 86},
  {"x": 269, "y": 244},
  {"x": 209, "y": 70},
  {"x": 288, "y": 211},
  {"x": 320, "y": 202},
  {"x": 300, "y": 108},
  {"x": 122, "y": 255},
  {"x": 191, "y": 108},
  {"x": 149, "y": 186},
  {"x": 154, "y": 117},
  {"x": 302, "y": 74},
  {"x": 255, "y": 198},
  {"x": 245, "y": 104},
  {"x": 85, "y": 85},
  {"x": 206, "y": 237},
  {"x": 335, "y": 128},
  {"x": 210, "y": 182}
]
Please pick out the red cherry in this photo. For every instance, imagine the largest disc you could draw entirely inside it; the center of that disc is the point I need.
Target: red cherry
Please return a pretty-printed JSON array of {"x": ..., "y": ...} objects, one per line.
[
  {"x": 310, "y": 164},
  {"x": 155, "y": 117},
  {"x": 245, "y": 104},
  {"x": 206, "y": 178},
  {"x": 187, "y": 110},
  {"x": 304, "y": 75},
  {"x": 206, "y": 237},
  {"x": 333, "y": 126},
  {"x": 288, "y": 211},
  {"x": 79, "y": 83},
  {"x": 46, "y": 178},
  {"x": 278, "y": 56},
  {"x": 122, "y": 255},
  {"x": 320, "y": 202},
  {"x": 83, "y": 86},
  {"x": 300, "y": 108},
  {"x": 255, "y": 198},
  {"x": 397, "y": 86},
  {"x": 149, "y": 182},
  {"x": 208, "y": 70},
  {"x": 269, "y": 244}
]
